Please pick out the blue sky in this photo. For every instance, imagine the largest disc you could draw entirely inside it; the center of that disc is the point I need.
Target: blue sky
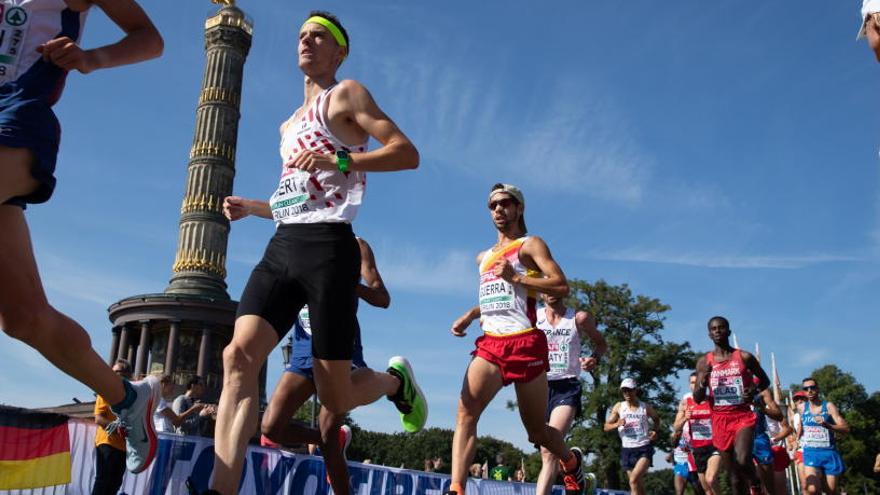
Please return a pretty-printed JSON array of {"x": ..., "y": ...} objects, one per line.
[{"x": 722, "y": 158}]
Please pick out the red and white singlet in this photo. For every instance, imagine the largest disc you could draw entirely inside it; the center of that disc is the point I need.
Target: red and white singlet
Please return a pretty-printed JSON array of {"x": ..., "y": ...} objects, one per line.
[
  {"x": 505, "y": 308},
  {"x": 727, "y": 383},
  {"x": 700, "y": 423}
]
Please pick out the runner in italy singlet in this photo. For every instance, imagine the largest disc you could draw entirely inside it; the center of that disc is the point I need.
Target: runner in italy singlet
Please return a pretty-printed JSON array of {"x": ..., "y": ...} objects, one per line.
[
  {"x": 505, "y": 308},
  {"x": 325, "y": 196}
]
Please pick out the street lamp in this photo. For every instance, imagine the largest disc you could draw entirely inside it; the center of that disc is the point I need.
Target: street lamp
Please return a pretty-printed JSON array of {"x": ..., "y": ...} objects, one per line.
[{"x": 286, "y": 349}]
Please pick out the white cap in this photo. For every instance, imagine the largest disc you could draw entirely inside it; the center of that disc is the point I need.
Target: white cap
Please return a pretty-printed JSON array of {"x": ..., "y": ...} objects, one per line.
[
  {"x": 628, "y": 383},
  {"x": 868, "y": 7}
]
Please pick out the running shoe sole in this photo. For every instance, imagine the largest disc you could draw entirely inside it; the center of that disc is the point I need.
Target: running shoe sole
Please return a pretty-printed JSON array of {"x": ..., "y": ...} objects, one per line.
[
  {"x": 399, "y": 361},
  {"x": 147, "y": 422}
]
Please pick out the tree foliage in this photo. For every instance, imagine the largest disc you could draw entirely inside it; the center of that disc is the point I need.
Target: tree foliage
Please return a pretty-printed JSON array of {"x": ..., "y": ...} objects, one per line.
[{"x": 633, "y": 327}]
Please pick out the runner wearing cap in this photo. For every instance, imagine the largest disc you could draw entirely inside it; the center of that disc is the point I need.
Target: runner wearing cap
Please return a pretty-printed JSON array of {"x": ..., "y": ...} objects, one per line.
[
  {"x": 313, "y": 258},
  {"x": 820, "y": 420},
  {"x": 698, "y": 419},
  {"x": 638, "y": 425},
  {"x": 512, "y": 350},
  {"x": 575, "y": 345},
  {"x": 728, "y": 372},
  {"x": 870, "y": 27}
]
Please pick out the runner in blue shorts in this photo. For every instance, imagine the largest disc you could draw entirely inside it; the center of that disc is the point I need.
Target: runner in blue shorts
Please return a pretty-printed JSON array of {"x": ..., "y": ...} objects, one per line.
[
  {"x": 765, "y": 408},
  {"x": 297, "y": 384},
  {"x": 820, "y": 419},
  {"x": 39, "y": 45}
]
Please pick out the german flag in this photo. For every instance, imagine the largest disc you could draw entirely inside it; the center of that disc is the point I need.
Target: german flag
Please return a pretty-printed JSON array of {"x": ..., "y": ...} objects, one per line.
[{"x": 34, "y": 449}]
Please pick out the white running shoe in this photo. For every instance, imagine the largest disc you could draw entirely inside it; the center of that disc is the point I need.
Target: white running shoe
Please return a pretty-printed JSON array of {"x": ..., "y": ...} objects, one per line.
[{"x": 136, "y": 422}]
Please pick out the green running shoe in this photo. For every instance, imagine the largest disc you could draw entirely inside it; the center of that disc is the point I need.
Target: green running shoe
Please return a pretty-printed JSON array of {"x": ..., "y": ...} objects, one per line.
[{"x": 409, "y": 399}]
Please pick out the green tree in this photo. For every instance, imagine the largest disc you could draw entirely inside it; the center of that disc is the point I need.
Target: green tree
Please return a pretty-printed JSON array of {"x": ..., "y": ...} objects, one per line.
[
  {"x": 862, "y": 413},
  {"x": 633, "y": 327},
  {"x": 660, "y": 482}
]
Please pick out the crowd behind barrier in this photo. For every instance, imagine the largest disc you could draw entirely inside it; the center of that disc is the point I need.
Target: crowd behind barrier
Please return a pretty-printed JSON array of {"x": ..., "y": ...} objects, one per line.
[{"x": 183, "y": 459}]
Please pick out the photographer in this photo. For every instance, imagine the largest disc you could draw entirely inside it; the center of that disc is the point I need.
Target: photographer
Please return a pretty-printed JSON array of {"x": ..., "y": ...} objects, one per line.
[{"x": 192, "y": 425}]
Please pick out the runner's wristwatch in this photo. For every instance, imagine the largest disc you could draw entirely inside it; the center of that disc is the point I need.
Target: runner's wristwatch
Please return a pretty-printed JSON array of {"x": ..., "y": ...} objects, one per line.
[{"x": 343, "y": 160}]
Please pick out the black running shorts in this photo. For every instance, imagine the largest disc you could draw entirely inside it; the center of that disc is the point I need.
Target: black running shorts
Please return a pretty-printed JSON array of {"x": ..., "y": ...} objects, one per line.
[{"x": 316, "y": 264}]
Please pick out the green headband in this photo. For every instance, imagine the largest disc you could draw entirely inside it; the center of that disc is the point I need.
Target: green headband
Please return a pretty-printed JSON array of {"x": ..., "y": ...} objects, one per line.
[{"x": 334, "y": 30}]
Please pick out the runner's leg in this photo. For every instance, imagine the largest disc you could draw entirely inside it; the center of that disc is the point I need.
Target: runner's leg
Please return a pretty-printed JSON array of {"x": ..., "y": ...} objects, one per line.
[
  {"x": 25, "y": 313},
  {"x": 831, "y": 484},
  {"x": 334, "y": 461},
  {"x": 561, "y": 418},
  {"x": 482, "y": 382},
  {"x": 532, "y": 400},
  {"x": 713, "y": 484},
  {"x": 252, "y": 340},
  {"x": 765, "y": 473},
  {"x": 368, "y": 386},
  {"x": 744, "y": 467},
  {"x": 637, "y": 476},
  {"x": 292, "y": 391},
  {"x": 813, "y": 480},
  {"x": 333, "y": 381},
  {"x": 680, "y": 484}
]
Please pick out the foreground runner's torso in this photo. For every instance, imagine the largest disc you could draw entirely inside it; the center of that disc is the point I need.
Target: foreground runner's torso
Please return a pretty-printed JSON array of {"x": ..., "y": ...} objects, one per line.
[
  {"x": 505, "y": 308},
  {"x": 815, "y": 435},
  {"x": 325, "y": 196},
  {"x": 727, "y": 383},
  {"x": 564, "y": 343},
  {"x": 25, "y": 25}
]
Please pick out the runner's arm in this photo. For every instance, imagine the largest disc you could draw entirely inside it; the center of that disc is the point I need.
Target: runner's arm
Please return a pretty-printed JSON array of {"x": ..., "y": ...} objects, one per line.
[
  {"x": 179, "y": 419},
  {"x": 877, "y": 464},
  {"x": 680, "y": 417},
  {"x": 459, "y": 326},
  {"x": 613, "y": 420},
  {"x": 755, "y": 367},
  {"x": 586, "y": 325},
  {"x": 784, "y": 431},
  {"x": 372, "y": 289},
  {"x": 535, "y": 252},
  {"x": 771, "y": 408},
  {"x": 236, "y": 208},
  {"x": 840, "y": 425},
  {"x": 656, "y": 421},
  {"x": 703, "y": 371},
  {"x": 141, "y": 41},
  {"x": 397, "y": 151}
]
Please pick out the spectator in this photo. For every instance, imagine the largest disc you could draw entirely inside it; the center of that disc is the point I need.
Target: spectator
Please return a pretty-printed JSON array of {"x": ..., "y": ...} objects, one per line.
[
  {"x": 192, "y": 424},
  {"x": 500, "y": 472},
  {"x": 476, "y": 471},
  {"x": 109, "y": 445},
  {"x": 165, "y": 419},
  {"x": 519, "y": 475},
  {"x": 429, "y": 465}
]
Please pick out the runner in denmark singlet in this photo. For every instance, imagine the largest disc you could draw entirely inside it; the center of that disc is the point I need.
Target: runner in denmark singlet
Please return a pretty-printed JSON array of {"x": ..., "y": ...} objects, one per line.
[
  {"x": 323, "y": 196},
  {"x": 727, "y": 384}
]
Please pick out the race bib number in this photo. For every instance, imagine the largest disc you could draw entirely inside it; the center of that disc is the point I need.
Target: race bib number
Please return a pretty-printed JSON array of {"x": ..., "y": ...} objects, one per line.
[
  {"x": 633, "y": 429},
  {"x": 817, "y": 437},
  {"x": 292, "y": 196},
  {"x": 701, "y": 429},
  {"x": 558, "y": 356},
  {"x": 727, "y": 390},
  {"x": 304, "y": 320},
  {"x": 496, "y": 295},
  {"x": 13, "y": 30},
  {"x": 680, "y": 456}
]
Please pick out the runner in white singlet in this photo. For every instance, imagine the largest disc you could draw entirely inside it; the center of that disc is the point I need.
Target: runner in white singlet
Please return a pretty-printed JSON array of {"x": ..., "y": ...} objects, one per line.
[
  {"x": 313, "y": 258},
  {"x": 39, "y": 46},
  {"x": 638, "y": 426},
  {"x": 570, "y": 336},
  {"x": 511, "y": 350}
]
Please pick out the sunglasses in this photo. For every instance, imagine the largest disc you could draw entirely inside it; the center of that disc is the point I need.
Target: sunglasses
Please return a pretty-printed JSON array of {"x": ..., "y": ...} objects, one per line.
[
  {"x": 625, "y": 390},
  {"x": 810, "y": 387},
  {"x": 504, "y": 203}
]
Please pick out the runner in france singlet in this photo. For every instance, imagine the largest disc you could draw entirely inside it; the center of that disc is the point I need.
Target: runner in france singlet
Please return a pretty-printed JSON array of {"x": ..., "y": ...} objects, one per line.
[
  {"x": 700, "y": 423},
  {"x": 816, "y": 436},
  {"x": 727, "y": 383},
  {"x": 25, "y": 25},
  {"x": 505, "y": 308},
  {"x": 564, "y": 343},
  {"x": 634, "y": 432},
  {"x": 325, "y": 196}
]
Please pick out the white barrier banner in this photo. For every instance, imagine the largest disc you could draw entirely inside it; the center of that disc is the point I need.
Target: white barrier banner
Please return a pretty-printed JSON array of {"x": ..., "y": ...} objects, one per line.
[{"x": 181, "y": 460}]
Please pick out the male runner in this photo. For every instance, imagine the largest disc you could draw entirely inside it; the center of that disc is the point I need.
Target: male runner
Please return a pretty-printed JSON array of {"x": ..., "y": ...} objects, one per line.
[
  {"x": 728, "y": 373},
  {"x": 870, "y": 27},
  {"x": 698, "y": 418},
  {"x": 313, "y": 258},
  {"x": 779, "y": 431},
  {"x": 820, "y": 419},
  {"x": 297, "y": 384},
  {"x": 511, "y": 350},
  {"x": 799, "y": 399},
  {"x": 684, "y": 468},
  {"x": 570, "y": 335},
  {"x": 39, "y": 43},
  {"x": 766, "y": 410},
  {"x": 638, "y": 425}
]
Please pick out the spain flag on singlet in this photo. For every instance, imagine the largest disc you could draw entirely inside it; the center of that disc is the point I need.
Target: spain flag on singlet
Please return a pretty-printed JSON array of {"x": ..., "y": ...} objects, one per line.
[{"x": 34, "y": 449}]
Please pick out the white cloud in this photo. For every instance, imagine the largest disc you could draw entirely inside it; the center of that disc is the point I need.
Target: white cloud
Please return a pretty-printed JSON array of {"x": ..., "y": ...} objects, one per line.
[{"x": 704, "y": 260}]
